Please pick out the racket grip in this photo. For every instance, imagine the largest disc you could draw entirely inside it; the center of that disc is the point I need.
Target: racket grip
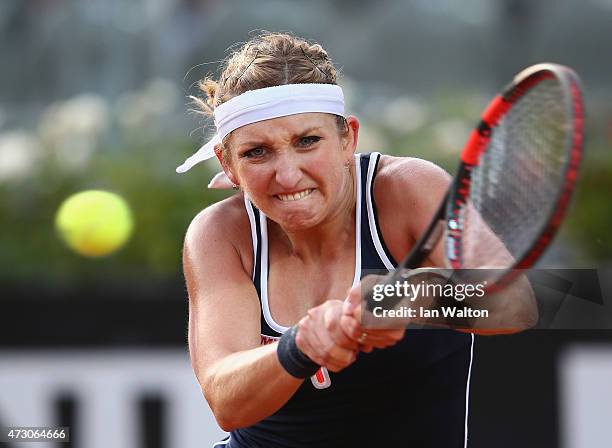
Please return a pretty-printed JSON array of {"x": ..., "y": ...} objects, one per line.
[
  {"x": 428, "y": 240},
  {"x": 367, "y": 293}
]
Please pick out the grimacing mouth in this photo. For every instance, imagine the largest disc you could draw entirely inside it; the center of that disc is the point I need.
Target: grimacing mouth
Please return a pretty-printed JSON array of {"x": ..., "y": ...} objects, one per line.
[{"x": 298, "y": 195}]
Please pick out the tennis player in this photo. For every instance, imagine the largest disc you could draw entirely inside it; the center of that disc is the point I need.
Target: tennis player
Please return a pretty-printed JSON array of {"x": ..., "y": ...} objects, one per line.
[{"x": 281, "y": 358}]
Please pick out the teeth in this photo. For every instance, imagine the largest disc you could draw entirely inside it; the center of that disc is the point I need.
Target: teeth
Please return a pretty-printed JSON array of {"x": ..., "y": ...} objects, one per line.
[{"x": 295, "y": 196}]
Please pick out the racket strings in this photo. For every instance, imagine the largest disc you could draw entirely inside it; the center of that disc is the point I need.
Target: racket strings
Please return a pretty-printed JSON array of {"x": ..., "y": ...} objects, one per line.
[{"x": 515, "y": 186}]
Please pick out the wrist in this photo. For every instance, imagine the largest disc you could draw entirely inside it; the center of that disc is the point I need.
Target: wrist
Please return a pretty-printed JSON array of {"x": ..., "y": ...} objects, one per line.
[{"x": 293, "y": 360}]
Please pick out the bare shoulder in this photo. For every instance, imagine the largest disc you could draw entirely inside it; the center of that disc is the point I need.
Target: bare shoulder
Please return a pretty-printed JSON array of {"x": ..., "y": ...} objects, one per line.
[
  {"x": 407, "y": 192},
  {"x": 410, "y": 174},
  {"x": 218, "y": 227},
  {"x": 215, "y": 217}
]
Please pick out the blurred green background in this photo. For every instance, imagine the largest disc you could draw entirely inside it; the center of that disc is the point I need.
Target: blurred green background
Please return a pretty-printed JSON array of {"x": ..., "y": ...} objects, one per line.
[{"x": 93, "y": 94}]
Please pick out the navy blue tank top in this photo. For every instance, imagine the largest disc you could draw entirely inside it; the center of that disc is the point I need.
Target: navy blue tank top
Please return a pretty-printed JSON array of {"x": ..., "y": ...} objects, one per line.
[{"x": 414, "y": 393}]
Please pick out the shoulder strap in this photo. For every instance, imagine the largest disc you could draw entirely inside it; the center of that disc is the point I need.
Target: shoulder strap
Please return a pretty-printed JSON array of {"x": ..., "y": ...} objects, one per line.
[
  {"x": 374, "y": 253},
  {"x": 257, "y": 220},
  {"x": 379, "y": 243}
]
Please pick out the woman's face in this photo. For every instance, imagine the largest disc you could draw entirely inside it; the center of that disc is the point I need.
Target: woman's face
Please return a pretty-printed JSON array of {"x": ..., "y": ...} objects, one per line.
[{"x": 294, "y": 168}]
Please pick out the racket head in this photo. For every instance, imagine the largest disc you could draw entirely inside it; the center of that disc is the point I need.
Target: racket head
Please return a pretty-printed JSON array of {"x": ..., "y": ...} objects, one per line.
[{"x": 517, "y": 172}]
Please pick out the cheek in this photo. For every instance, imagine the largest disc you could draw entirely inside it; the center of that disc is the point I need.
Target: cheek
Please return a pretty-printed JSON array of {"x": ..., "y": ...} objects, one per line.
[
  {"x": 329, "y": 164},
  {"x": 254, "y": 179},
  {"x": 334, "y": 174}
]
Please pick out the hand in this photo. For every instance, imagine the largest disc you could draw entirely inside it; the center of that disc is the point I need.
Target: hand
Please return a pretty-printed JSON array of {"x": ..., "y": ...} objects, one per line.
[
  {"x": 350, "y": 321},
  {"x": 320, "y": 337}
]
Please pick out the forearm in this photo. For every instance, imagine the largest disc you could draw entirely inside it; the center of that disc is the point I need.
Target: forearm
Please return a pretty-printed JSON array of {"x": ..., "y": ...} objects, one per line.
[
  {"x": 510, "y": 310},
  {"x": 245, "y": 387}
]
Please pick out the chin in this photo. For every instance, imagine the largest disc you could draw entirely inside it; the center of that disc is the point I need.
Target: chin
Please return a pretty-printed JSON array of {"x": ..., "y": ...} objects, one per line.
[
  {"x": 294, "y": 225},
  {"x": 297, "y": 222}
]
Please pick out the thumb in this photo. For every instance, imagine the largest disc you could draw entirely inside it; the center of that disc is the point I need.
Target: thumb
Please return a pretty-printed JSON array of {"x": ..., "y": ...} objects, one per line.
[
  {"x": 352, "y": 304},
  {"x": 353, "y": 300}
]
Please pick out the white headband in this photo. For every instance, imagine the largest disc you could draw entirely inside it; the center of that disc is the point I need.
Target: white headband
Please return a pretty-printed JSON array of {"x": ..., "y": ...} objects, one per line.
[{"x": 263, "y": 104}]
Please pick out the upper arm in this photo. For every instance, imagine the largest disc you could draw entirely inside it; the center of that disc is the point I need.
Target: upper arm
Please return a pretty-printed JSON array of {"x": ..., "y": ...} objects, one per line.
[
  {"x": 224, "y": 314},
  {"x": 416, "y": 187}
]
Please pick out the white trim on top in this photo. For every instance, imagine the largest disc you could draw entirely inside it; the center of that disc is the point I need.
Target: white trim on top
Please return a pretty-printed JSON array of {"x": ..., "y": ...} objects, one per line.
[
  {"x": 249, "y": 208},
  {"x": 222, "y": 442},
  {"x": 373, "y": 229},
  {"x": 357, "y": 276},
  {"x": 265, "y": 304},
  {"x": 467, "y": 393}
]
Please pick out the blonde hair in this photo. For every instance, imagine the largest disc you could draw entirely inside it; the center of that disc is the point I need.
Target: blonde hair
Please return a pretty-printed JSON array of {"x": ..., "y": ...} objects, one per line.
[{"x": 268, "y": 59}]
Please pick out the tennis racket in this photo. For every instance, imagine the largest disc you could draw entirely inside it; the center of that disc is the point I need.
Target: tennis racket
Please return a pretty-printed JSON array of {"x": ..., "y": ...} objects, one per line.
[{"x": 515, "y": 178}]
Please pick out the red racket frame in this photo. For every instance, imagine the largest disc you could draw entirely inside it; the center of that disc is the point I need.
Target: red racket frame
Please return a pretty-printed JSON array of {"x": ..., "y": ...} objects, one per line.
[{"x": 478, "y": 142}]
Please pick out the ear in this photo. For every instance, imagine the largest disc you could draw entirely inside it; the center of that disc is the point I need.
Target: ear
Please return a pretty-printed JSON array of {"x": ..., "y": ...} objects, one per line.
[
  {"x": 226, "y": 168},
  {"x": 350, "y": 140}
]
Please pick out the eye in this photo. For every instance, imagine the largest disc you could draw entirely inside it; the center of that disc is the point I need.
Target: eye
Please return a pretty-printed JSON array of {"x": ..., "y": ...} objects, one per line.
[
  {"x": 254, "y": 153},
  {"x": 308, "y": 141}
]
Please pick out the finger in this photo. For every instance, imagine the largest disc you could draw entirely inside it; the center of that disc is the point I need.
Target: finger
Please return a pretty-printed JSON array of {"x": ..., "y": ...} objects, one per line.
[
  {"x": 339, "y": 335},
  {"x": 351, "y": 327},
  {"x": 396, "y": 334},
  {"x": 366, "y": 348},
  {"x": 375, "y": 337},
  {"x": 340, "y": 339},
  {"x": 306, "y": 340},
  {"x": 336, "y": 357},
  {"x": 385, "y": 331},
  {"x": 336, "y": 365},
  {"x": 332, "y": 318},
  {"x": 321, "y": 348},
  {"x": 381, "y": 343},
  {"x": 352, "y": 302},
  {"x": 382, "y": 340},
  {"x": 312, "y": 336},
  {"x": 356, "y": 332}
]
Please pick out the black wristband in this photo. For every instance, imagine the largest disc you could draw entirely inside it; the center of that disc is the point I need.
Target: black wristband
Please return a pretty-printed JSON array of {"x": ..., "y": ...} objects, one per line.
[{"x": 293, "y": 360}]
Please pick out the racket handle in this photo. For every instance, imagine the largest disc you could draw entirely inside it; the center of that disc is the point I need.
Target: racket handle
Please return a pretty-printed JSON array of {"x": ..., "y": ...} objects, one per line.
[
  {"x": 419, "y": 253},
  {"x": 428, "y": 240}
]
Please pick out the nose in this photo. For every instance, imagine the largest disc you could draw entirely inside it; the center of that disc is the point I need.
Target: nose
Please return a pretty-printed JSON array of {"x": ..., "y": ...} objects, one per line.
[{"x": 288, "y": 171}]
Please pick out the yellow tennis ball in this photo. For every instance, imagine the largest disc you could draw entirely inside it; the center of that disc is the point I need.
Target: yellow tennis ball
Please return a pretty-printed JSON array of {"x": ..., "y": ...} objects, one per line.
[{"x": 94, "y": 223}]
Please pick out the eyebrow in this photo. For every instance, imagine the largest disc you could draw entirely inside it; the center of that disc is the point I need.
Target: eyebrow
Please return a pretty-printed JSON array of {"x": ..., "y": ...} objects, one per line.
[{"x": 258, "y": 142}]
